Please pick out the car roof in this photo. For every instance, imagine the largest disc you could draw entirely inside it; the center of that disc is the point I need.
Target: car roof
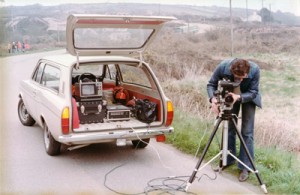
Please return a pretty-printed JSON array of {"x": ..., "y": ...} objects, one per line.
[{"x": 69, "y": 60}]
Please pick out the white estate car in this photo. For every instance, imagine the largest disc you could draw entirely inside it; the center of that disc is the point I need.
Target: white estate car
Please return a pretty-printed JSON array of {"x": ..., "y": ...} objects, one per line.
[{"x": 89, "y": 95}]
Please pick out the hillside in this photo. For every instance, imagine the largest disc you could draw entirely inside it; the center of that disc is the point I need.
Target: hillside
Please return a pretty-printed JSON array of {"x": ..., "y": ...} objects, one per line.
[{"x": 46, "y": 24}]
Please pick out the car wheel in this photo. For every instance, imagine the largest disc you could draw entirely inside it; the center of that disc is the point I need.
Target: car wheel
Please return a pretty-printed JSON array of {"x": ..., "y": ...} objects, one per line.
[
  {"x": 51, "y": 145},
  {"x": 140, "y": 143},
  {"x": 24, "y": 116}
]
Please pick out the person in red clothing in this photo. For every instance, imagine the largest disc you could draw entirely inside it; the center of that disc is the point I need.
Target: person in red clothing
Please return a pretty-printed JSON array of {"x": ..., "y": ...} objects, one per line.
[{"x": 19, "y": 45}]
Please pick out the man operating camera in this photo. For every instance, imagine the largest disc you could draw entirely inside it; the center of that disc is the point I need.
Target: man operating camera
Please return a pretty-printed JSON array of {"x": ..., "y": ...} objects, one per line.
[{"x": 246, "y": 96}]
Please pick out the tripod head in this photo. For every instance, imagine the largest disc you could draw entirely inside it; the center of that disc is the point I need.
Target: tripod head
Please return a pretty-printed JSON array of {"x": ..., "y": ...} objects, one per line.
[{"x": 224, "y": 99}]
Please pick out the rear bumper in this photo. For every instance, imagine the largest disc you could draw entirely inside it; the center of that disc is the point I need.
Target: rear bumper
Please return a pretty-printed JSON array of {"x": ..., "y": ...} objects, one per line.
[{"x": 111, "y": 136}]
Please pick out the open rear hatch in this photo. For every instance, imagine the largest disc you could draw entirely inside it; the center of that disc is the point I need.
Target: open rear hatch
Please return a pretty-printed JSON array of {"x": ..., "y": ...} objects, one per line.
[
  {"x": 94, "y": 35},
  {"x": 102, "y": 35}
]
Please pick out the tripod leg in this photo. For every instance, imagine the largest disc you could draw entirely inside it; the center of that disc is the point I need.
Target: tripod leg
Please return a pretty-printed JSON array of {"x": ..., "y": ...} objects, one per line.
[
  {"x": 192, "y": 177},
  {"x": 221, "y": 159},
  {"x": 249, "y": 157}
]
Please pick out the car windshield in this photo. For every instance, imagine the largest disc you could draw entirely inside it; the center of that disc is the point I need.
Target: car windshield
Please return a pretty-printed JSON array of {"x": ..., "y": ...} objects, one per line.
[
  {"x": 130, "y": 73},
  {"x": 110, "y": 38},
  {"x": 94, "y": 68}
]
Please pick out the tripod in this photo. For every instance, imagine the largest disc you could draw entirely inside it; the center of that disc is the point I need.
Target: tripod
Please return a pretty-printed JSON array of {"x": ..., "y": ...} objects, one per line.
[{"x": 225, "y": 116}]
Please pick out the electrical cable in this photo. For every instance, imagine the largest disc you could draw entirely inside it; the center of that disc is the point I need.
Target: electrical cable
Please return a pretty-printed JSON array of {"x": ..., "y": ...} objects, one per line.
[
  {"x": 111, "y": 189},
  {"x": 211, "y": 178},
  {"x": 157, "y": 153},
  {"x": 164, "y": 185},
  {"x": 114, "y": 169},
  {"x": 168, "y": 185},
  {"x": 199, "y": 144}
]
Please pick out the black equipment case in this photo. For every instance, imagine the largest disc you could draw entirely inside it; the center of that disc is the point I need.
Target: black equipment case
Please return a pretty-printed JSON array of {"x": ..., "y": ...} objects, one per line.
[{"x": 91, "y": 111}]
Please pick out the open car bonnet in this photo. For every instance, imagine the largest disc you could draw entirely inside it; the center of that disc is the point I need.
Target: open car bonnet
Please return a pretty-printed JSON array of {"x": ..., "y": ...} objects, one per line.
[{"x": 94, "y": 35}]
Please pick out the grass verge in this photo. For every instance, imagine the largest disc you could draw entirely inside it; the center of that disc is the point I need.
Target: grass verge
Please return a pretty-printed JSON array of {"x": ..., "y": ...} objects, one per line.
[{"x": 279, "y": 169}]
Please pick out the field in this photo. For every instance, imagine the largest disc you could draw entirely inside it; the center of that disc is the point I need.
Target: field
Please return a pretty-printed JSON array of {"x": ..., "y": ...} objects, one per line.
[{"x": 185, "y": 69}]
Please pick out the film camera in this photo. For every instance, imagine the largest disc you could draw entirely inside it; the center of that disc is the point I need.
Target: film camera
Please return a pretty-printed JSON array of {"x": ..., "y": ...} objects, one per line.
[{"x": 225, "y": 100}]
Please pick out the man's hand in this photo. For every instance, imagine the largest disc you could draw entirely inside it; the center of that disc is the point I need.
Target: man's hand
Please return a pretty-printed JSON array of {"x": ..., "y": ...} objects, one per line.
[
  {"x": 215, "y": 106},
  {"x": 235, "y": 97}
]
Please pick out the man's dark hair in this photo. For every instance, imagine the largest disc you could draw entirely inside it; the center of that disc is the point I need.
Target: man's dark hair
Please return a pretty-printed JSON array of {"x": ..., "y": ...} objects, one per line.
[{"x": 240, "y": 67}]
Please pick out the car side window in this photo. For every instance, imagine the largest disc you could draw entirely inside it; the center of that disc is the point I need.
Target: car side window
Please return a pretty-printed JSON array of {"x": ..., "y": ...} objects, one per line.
[
  {"x": 38, "y": 73},
  {"x": 134, "y": 75},
  {"x": 51, "y": 77}
]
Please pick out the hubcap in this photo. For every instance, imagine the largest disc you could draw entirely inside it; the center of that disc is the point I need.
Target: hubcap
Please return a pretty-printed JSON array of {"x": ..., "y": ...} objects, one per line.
[{"x": 23, "y": 112}]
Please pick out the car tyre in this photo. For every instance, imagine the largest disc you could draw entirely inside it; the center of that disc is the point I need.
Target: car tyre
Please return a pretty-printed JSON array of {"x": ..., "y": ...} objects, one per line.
[
  {"x": 51, "y": 145},
  {"x": 140, "y": 143},
  {"x": 25, "y": 118}
]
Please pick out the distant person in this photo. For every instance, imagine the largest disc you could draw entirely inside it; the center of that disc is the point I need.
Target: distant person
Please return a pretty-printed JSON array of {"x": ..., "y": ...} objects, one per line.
[
  {"x": 27, "y": 46},
  {"x": 247, "y": 96},
  {"x": 19, "y": 45},
  {"x": 23, "y": 47},
  {"x": 9, "y": 48},
  {"x": 14, "y": 47}
]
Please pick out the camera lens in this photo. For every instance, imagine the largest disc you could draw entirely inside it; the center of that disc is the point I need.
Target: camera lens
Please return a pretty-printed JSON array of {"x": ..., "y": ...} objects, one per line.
[{"x": 228, "y": 99}]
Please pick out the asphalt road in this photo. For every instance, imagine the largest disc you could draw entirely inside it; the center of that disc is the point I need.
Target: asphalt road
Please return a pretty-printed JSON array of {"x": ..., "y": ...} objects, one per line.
[{"x": 27, "y": 169}]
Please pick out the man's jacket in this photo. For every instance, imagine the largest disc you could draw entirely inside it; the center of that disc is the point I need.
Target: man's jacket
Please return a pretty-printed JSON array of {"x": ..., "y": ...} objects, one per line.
[{"x": 249, "y": 86}]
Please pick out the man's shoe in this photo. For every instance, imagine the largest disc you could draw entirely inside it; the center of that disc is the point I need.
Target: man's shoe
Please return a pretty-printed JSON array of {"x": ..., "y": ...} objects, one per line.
[{"x": 244, "y": 175}]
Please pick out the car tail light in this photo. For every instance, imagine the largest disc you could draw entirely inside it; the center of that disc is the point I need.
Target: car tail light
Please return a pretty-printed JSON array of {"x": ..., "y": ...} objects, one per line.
[
  {"x": 160, "y": 138},
  {"x": 65, "y": 117},
  {"x": 170, "y": 113}
]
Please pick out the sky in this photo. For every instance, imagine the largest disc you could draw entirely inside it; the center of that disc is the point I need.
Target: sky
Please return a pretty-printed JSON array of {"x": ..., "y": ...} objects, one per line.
[{"x": 292, "y": 6}]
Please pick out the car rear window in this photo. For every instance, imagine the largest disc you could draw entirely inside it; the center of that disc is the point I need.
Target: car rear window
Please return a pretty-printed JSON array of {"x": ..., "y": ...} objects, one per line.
[{"x": 110, "y": 38}]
